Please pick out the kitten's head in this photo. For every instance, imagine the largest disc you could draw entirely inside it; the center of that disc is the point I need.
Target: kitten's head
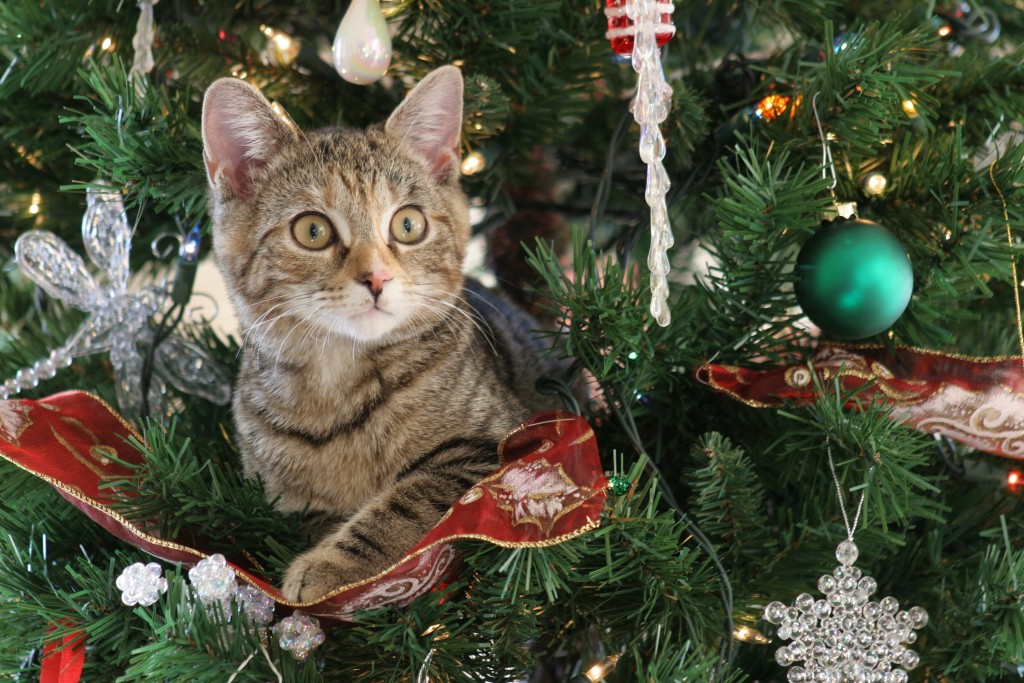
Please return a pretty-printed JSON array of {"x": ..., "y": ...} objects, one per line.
[{"x": 358, "y": 233}]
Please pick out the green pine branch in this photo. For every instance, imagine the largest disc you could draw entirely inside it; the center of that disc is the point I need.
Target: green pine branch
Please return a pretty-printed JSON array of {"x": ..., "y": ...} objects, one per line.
[
  {"x": 728, "y": 501},
  {"x": 201, "y": 497}
]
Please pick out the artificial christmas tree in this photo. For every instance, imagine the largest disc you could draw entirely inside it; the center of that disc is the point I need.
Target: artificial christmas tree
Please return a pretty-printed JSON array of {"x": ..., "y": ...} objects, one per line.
[{"x": 716, "y": 431}]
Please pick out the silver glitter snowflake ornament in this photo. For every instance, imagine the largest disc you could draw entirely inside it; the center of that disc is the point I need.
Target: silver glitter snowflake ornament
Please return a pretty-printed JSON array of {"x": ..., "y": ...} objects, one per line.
[{"x": 846, "y": 637}]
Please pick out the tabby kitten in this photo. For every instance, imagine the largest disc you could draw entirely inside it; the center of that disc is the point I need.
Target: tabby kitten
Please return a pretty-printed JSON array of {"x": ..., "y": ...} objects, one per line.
[{"x": 375, "y": 383}]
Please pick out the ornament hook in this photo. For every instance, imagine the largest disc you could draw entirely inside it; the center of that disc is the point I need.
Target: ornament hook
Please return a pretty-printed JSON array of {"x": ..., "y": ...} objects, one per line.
[
  {"x": 839, "y": 491},
  {"x": 828, "y": 166}
]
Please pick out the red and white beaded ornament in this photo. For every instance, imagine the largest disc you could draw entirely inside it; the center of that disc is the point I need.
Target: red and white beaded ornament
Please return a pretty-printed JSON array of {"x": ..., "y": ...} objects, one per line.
[
  {"x": 639, "y": 28},
  {"x": 621, "y": 28}
]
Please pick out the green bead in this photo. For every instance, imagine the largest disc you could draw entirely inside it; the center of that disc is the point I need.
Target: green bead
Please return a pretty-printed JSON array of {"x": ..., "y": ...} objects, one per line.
[
  {"x": 853, "y": 279},
  {"x": 619, "y": 486}
]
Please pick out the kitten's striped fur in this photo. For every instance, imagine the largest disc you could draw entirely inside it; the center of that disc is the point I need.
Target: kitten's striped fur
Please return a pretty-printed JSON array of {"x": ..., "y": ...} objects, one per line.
[{"x": 374, "y": 387}]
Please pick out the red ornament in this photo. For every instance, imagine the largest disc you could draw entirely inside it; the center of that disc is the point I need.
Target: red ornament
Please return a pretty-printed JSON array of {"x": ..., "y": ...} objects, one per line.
[{"x": 621, "y": 29}]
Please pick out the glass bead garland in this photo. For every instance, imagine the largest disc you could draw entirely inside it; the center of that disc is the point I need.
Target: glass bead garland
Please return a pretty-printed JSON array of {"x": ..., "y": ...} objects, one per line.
[
  {"x": 213, "y": 581},
  {"x": 846, "y": 637}
]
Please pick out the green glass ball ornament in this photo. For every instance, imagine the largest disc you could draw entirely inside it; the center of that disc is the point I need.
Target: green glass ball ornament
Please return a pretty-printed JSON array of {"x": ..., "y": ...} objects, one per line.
[
  {"x": 619, "y": 486},
  {"x": 853, "y": 278}
]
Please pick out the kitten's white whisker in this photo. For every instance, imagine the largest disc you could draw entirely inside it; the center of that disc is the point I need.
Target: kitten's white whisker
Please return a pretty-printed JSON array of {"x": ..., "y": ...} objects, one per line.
[
  {"x": 326, "y": 332},
  {"x": 469, "y": 312},
  {"x": 485, "y": 329},
  {"x": 471, "y": 315},
  {"x": 303, "y": 323},
  {"x": 262, "y": 319},
  {"x": 269, "y": 324},
  {"x": 445, "y": 317},
  {"x": 275, "y": 298},
  {"x": 479, "y": 296},
  {"x": 263, "y": 322}
]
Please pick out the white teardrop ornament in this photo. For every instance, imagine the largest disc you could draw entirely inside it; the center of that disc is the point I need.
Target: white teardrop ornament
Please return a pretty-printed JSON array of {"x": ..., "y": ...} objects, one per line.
[{"x": 362, "y": 46}]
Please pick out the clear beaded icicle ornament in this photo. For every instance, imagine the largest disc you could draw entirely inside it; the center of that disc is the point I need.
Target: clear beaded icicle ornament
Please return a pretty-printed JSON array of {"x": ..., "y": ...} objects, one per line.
[
  {"x": 652, "y": 27},
  {"x": 142, "y": 43},
  {"x": 846, "y": 637}
]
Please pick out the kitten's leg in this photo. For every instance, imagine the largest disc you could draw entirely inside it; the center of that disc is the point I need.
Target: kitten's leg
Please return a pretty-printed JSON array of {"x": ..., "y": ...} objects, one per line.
[
  {"x": 391, "y": 523},
  {"x": 316, "y": 525}
]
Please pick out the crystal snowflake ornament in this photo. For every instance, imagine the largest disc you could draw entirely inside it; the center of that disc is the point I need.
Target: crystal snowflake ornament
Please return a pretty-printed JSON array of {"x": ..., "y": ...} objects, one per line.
[
  {"x": 299, "y": 634},
  {"x": 118, "y": 318},
  {"x": 213, "y": 581},
  {"x": 846, "y": 637},
  {"x": 141, "y": 584}
]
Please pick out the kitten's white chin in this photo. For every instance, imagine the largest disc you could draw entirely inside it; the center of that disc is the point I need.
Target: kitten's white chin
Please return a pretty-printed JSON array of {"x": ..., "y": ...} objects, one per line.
[{"x": 368, "y": 326}]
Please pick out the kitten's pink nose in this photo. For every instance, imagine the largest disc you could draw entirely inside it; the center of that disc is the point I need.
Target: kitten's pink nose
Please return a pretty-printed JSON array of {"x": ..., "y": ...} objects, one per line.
[{"x": 374, "y": 281}]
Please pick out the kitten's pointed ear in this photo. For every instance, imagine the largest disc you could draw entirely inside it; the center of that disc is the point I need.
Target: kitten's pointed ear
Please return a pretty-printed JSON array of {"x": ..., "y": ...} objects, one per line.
[
  {"x": 241, "y": 134},
  {"x": 429, "y": 121}
]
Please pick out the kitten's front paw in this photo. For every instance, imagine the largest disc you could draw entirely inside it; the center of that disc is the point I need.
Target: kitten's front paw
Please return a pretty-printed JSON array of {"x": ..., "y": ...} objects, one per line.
[{"x": 315, "y": 573}]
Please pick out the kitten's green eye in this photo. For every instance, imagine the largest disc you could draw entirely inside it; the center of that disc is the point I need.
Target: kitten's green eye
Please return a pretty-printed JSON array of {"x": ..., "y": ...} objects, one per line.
[
  {"x": 313, "y": 231},
  {"x": 408, "y": 225}
]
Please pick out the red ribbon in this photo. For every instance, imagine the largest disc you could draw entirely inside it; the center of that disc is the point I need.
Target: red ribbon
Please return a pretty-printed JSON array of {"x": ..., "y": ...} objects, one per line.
[
  {"x": 977, "y": 401},
  {"x": 64, "y": 658},
  {"x": 551, "y": 488}
]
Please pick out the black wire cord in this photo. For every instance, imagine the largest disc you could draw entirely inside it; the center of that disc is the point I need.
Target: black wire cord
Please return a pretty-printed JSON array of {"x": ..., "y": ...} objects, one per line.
[
  {"x": 727, "y": 650},
  {"x": 180, "y": 293},
  {"x": 161, "y": 332},
  {"x": 561, "y": 388}
]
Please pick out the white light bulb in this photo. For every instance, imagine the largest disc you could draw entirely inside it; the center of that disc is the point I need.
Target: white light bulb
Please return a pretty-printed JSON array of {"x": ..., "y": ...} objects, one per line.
[
  {"x": 875, "y": 184},
  {"x": 362, "y": 46},
  {"x": 473, "y": 163}
]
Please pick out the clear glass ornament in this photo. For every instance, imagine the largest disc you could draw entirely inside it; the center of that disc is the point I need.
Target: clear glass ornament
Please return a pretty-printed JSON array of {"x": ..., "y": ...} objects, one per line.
[
  {"x": 141, "y": 584},
  {"x": 142, "y": 41},
  {"x": 213, "y": 581},
  {"x": 257, "y": 605},
  {"x": 299, "y": 634},
  {"x": 846, "y": 637}
]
